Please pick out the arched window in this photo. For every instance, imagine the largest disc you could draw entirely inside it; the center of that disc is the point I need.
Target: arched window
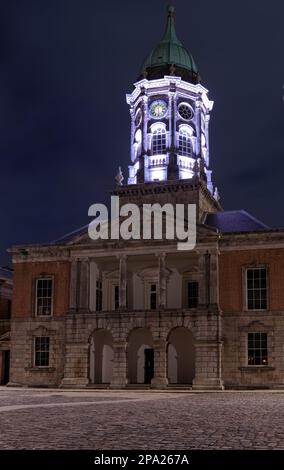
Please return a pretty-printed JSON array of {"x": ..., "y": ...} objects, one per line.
[
  {"x": 159, "y": 141},
  {"x": 185, "y": 147}
]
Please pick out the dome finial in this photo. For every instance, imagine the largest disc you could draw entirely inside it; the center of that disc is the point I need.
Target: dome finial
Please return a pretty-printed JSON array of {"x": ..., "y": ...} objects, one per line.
[{"x": 170, "y": 53}]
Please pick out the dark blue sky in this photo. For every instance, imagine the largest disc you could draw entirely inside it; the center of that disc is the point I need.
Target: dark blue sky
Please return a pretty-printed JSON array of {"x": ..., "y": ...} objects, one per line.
[{"x": 65, "y": 66}]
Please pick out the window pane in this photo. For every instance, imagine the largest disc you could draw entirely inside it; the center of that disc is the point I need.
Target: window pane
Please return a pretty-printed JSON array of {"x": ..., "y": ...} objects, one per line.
[
  {"x": 256, "y": 288},
  {"x": 44, "y": 294},
  {"x": 99, "y": 296},
  {"x": 41, "y": 351},
  {"x": 116, "y": 297},
  {"x": 159, "y": 144},
  {"x": 153, "y": 296},
  {"x": 185, "y": 147},
  {"x": 192, "y": 294},
  {"x": 257, "y": 349}
]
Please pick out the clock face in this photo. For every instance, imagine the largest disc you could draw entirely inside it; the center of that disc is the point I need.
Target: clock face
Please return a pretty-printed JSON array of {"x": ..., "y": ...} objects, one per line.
[{"x": 158, "y": 109}]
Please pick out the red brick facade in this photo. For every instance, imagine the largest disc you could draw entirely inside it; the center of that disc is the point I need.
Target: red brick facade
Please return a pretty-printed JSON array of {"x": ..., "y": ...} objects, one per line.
[
  {"x": 231, "y": 282},
  {"x": 25, "y": 275}
]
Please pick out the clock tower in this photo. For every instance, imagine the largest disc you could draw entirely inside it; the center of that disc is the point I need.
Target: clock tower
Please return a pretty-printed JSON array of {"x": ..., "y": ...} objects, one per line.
[{"x": 170, "y": 113}]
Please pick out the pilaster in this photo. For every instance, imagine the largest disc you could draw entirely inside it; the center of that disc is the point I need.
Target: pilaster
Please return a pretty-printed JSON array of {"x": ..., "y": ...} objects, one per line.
[
  {"x": 160, "y": 379},
  {"x": 119, "y": 376}
]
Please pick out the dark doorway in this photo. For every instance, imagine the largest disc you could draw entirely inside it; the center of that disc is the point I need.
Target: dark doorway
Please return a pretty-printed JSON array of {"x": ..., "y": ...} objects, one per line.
[
  {"x": 5, "y": 367},
  {"x": 149, "y": 365}
]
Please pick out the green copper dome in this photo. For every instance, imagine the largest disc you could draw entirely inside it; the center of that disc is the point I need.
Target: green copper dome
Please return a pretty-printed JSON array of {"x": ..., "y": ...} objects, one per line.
[{"x": 170, "y": 57}]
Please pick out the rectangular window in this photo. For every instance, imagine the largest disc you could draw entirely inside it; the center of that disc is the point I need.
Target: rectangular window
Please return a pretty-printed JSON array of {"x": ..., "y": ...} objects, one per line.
[
  {"x": 99, "y": 296},
  {"x": 153, "y": 296},
  {"x": 257, "y": 349},
  {"x": 116, "y": 297},
  {"x": 256, "y": 280},
  {"x": 41, "y": 353},
  {"x": 192, "y": 294},
  {"x": 44, "y": 296}
]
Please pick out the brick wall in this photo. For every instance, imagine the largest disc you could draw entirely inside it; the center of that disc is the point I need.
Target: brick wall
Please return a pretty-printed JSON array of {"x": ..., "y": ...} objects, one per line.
[
  {"x": 237, "y": 322},
  {"x": 230, "y": 269},
  {"x": 24, "y": 286}
]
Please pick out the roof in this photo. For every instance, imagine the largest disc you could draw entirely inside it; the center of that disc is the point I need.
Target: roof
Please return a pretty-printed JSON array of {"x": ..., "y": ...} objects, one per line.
[
  {"x": 235, "y": 221},
  {"x": 170, "y": 56},
  {"x": 71, "y": 235}
]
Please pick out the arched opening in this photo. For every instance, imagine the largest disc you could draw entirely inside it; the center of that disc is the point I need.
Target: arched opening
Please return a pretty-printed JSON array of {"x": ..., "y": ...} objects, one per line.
[
  {"x": 101, "y": 357},
  {"x": 140, "y": 356},
  {"x": 181, "y": 356}
]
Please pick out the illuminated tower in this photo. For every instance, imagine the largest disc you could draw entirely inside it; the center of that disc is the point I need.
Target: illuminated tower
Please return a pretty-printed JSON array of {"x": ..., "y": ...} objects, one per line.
[{"x": 170, "y": 113}]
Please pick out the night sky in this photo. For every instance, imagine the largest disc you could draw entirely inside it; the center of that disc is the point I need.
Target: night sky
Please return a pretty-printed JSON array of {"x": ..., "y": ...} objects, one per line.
[{"x": 65, "y": 67}]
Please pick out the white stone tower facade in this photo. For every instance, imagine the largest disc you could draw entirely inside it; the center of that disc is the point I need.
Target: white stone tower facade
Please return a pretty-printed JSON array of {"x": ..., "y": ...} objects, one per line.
[{"x": 170, "y": 116}]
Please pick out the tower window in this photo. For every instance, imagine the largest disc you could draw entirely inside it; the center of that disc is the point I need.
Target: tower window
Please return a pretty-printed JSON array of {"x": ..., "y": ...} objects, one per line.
[
  {"x": 185, "y": 111},
  {"x": 185, "y": 147},
  {"x": 159, "y": 141}
]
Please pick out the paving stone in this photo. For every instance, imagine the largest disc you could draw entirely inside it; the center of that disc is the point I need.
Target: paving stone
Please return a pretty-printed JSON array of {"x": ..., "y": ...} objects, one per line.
[{"x": 140, "y": 420}]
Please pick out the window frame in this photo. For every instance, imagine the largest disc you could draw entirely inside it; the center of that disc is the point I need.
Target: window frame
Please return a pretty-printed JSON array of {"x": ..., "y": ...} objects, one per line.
[
  {"x": 255, "y": 349},
  {"x": 159, "y": 132},
  {"x": 35, "y": 365},
  {"x": 245, "y": 287},
  {"x": 192, "y": 281},
  {"x": 99, "y": 295},
  {"x": 116, "y": 300},
  {"x": 150, "y": 295},
  {"x": 185, "y": 147},
  {"x": 44, "y": 278}
]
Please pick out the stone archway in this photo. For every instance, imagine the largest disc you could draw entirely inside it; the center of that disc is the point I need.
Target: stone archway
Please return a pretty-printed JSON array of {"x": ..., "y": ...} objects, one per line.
[
  {"x": 101, "y": 357},
  {"x": 181, "y": 356},
  {"x": 140, "y": 356}
]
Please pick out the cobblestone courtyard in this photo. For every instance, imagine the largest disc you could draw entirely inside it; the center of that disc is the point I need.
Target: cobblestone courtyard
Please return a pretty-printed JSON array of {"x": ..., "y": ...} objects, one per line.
[{"x": 52, "y": 419}]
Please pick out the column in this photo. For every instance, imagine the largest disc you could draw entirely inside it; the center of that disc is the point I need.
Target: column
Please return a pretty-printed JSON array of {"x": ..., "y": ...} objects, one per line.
[
  {"x": 94, "y": 275},
  {"x": 173, "y": 169},
  {"x": 145, "y": 124},
  {"x": 84, "y": 285},
  {"x": 203, "y": 290},
  {"x": 207, "y": 366},
  {"x": 122, "y": 281},
  {"x": 160, "y": 379},
  {"x": 76, "y": 365},
  {"x": 162, "y": 280},
  {"x": 73, "y": 296},
  {"x": 119, "y": 375},
  {"x": 207, "y": 119},
  {"x": 132, "y": 133},
  {"x": 214, "y": 277},
  {"x": 171, "y": 137},
  {"x": 198, "y": 129}
]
